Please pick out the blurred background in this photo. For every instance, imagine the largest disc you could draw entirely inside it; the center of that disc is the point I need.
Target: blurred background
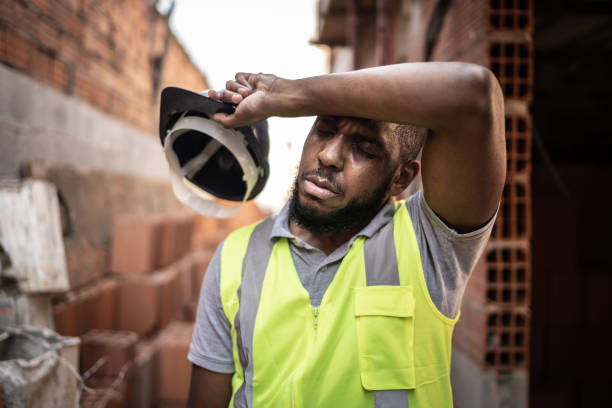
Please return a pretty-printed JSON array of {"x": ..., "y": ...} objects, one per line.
[{"x": 101, "y": 266}]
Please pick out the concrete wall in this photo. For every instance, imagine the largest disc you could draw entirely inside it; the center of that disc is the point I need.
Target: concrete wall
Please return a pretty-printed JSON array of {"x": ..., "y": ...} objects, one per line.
[{"x": 38, "y": 122}]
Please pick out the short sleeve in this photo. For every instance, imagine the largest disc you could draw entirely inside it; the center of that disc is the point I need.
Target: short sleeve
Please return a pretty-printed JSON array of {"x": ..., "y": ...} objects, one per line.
[
  {"x": 211, "y": 345},
  {"x": 447, "y": 256}
]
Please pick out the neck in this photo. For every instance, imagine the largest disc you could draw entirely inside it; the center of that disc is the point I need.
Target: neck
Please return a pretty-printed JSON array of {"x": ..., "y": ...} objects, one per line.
[{"x": 327, "y": 243}]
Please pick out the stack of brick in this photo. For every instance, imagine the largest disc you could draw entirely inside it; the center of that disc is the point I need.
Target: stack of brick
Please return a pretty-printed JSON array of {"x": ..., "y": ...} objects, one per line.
[
  {"x": 106, "y": 360},
  {"x": 97, "y": 69},
  {"x": 494, "y": 329},
  {"x": 173, "y": 371},
  {"x": 140, "y": 315}
]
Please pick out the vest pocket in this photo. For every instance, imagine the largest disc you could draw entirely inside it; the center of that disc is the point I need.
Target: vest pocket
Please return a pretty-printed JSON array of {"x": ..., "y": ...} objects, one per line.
[{"x": 385, "y": 332}]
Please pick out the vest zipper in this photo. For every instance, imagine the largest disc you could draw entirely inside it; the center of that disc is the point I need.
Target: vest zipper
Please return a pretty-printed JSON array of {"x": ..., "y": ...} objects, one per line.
[{"x": 315, "y": 314}]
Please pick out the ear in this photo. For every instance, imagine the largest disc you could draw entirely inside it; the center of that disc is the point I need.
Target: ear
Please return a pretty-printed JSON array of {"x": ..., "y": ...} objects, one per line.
[{"x": 404, "y": 175}]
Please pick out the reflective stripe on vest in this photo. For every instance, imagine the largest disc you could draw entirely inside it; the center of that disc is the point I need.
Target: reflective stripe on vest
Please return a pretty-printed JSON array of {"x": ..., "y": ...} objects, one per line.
[{"x": 376, "y": 340}]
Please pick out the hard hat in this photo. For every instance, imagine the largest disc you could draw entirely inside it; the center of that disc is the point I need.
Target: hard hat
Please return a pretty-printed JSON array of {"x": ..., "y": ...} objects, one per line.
[{"x": 205, "y": 158}]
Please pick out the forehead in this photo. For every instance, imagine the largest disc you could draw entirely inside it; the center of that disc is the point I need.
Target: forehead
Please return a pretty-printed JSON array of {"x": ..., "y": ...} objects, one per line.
[{"x": 377, "y": 131}]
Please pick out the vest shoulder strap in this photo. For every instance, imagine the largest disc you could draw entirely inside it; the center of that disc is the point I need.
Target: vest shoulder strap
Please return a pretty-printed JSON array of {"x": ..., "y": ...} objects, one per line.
[{"x": 232, "y": 254}]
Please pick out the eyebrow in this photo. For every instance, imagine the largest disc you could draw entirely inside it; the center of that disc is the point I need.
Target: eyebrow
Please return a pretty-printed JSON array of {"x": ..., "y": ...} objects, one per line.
[
  {"x": 328, "y": 121},
  {"x": 334, "y": 122}
]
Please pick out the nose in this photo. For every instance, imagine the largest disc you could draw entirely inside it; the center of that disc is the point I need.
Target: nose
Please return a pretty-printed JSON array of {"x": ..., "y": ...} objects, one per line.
[{"x": 332, "y": 153}]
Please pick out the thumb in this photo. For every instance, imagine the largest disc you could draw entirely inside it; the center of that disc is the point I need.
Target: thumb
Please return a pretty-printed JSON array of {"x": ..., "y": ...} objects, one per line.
[{"x": 228, "y": 121}]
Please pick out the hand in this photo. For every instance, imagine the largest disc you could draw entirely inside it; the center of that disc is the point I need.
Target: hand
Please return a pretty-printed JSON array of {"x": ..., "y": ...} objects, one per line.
[{"x": 251, "y": 92}]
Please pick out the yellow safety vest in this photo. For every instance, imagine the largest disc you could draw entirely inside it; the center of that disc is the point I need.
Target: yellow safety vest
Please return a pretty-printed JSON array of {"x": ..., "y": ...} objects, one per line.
[{"x": 376, "y": 340}]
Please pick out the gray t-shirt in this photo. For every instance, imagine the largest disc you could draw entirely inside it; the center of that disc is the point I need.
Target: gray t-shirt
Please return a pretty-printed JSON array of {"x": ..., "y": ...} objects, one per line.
[{"x": 447, "y": 258}]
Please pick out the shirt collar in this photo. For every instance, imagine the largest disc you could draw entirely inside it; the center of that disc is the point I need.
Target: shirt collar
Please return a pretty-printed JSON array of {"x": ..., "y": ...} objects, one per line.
[{"x": 280, "y": 228}]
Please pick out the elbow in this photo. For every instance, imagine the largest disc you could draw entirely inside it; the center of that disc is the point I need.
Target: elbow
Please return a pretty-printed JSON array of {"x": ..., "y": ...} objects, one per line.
[{"x": 488, "y": 98}]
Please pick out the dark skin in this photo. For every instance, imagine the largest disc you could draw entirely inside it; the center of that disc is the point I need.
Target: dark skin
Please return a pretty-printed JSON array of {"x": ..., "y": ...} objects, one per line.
[
  {"x": 359, "y": 157},
  {"x": 209, "y": 389},
  {"x": 464, "y": 158}
]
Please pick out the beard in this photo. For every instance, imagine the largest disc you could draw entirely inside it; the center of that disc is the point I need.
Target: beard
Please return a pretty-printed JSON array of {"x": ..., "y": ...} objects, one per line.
[{"x": 357, "y": 213}]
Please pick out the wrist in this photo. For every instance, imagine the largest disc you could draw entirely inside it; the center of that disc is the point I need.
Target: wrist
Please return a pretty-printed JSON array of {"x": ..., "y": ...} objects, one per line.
[{"x": 290, "y": 98}]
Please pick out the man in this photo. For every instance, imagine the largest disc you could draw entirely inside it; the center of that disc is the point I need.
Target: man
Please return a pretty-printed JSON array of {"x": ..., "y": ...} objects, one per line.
[{"x": 347, "y": 298}]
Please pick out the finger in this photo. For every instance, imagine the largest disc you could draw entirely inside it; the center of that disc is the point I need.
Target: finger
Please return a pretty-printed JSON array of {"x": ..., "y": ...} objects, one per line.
[
  {"x": 243, "y": 79},
  {"x": 238, "y": 88},
  {"x": 229, "y": 96}
]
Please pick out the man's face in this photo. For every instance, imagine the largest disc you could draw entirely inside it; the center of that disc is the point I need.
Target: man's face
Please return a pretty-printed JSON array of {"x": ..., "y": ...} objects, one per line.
[{"x": 346, "y": 165}]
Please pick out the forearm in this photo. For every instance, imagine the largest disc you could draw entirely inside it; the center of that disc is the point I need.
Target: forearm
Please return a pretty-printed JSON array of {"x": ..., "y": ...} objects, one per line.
[{"x": 433, "y": 95}]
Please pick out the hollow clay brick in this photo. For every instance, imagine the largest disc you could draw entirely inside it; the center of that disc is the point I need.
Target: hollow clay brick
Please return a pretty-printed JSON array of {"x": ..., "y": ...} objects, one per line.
[
  {"x": 119, "y": 347},
  {"x": 135, "y": 245},
  {"x": 173, "y": 369}
]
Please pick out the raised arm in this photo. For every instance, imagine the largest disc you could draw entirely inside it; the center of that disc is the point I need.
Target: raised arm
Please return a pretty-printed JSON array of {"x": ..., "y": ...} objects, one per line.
[{"x": 461, "y": 104}]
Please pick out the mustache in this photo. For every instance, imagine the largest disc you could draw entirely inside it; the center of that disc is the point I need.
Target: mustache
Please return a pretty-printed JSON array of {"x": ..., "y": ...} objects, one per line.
[{"x": 326, "y": 175}]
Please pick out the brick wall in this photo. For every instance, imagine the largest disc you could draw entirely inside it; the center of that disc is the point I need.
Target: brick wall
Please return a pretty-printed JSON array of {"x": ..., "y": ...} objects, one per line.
[{"x": 116, "y": 55}]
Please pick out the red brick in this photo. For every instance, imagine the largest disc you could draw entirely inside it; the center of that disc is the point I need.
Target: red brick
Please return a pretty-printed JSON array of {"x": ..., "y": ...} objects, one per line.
[
  {"x": 465, "y": 25},
  {"x": 166, "y": 403},
  {"x": 138, "y": 309},
  {"x": 135, "y": 245},
  {"x": 189, "y": 311},
  {"x": 208, "y": 232},
  {"x": 103, "y": 396},
  {"x": 477, "y": 284},
  {"x": 106, "y": 310},
  {"x": 169, "y": 232},
  {"x": 201, "y": 259},
  {"x": 170, "y": 291},
  {"x": 65, "y": 319},
  {"x": 513, "y": 220},
  {"x": 141, "y": 383},
  {"x": 58, "y": 75},
  {"x": 173, "y": 369},
  {"x": 87, "y": 302},
  {"x": 512, "y": 64},
  {"x": 175, "y": 238},
  {"x": 17, "y": 50},
  {"x": 119, "y": 347},
  {"x": 186, "y": 223},
  {"x": 518, "y": 144},
  {"x": 494, "y": 337},
  {"x": 185, "y": 268},
  {"x": 517, "y": 17},
  {"x": 95, "y": 306}
]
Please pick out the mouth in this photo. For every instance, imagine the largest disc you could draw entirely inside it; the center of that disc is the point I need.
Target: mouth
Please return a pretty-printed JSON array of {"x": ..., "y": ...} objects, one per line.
[{"x": 319, "y": 187}]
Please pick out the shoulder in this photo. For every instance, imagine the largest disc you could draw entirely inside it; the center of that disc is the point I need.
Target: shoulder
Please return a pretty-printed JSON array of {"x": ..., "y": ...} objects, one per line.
[{"x": 426, "y": 221}]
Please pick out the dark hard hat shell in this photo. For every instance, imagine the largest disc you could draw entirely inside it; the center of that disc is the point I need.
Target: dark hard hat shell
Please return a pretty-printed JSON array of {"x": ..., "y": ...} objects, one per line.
[{"x": 222, "y": 175}]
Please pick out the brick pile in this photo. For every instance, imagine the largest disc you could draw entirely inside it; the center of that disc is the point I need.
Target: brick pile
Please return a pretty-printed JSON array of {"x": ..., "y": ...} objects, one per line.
[
  {"x": 494, "y": 328},
  {"x": 130, "y": 277},
  {"x": 139, "y": 316}
]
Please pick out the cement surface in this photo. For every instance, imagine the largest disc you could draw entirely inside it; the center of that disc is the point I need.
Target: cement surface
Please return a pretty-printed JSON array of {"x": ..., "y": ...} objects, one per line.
[{"x": 38, "y": 122}]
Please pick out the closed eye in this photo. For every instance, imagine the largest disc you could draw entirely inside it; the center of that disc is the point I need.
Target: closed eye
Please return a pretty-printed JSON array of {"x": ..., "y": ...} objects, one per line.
[
  {"x": 326, "y": 132},
  {"x": 365, "y": 149}
]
